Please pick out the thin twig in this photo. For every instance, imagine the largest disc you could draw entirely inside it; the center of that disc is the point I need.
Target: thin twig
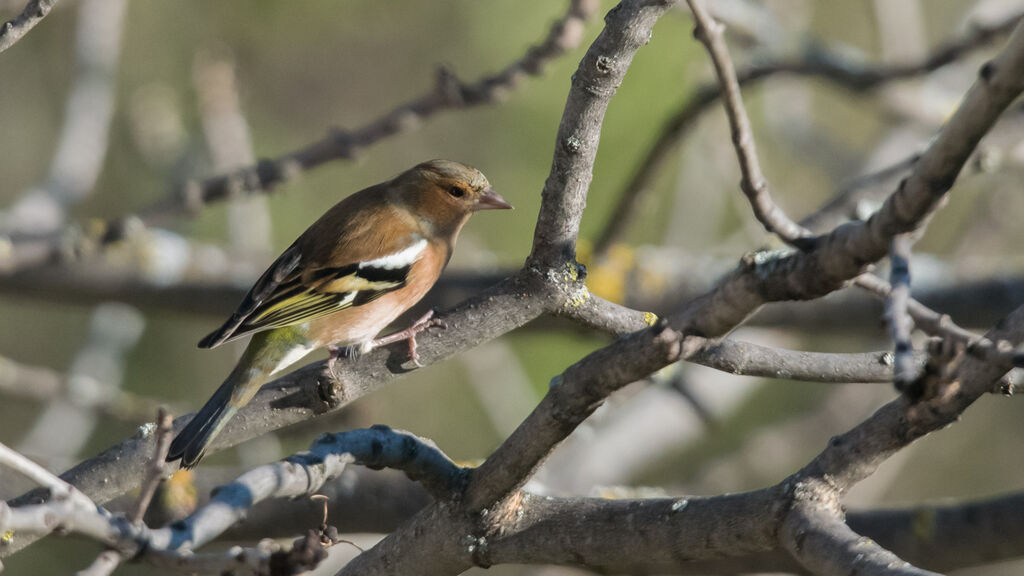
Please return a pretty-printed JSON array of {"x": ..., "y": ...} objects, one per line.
[
  {"x": 846, "y": 203},
  {"x": 42, "y": 384},
  {"x": 155, "y": 472},
  {"x": 900, "y": 322},
  {"x": 811, "y": 63},
  {"x": 754, "y": 185}
]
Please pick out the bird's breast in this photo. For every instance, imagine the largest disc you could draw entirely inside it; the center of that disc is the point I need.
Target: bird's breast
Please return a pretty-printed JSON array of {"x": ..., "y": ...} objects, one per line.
[{"x": 363, "y": 323}]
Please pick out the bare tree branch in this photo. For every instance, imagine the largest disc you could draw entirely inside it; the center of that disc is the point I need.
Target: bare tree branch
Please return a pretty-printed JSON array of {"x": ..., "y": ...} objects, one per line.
[
  {"x": 301, "y": 474},
  {"x": 842, "y": 254},
  {"x": 599, "y": 74},
  {"x": 824, "y": 65},
  {"x": 155, "y": 473},
  {"x": 754, "y": 185},
  {"x": 900, "y": 323},
  {"x": 14, "y": 30},
  {"x": 82, "y": 146},
  {"x": 42, "y": 384},
  {"x": 822, "y": 542},
  {"x": 750, "y": 359}
]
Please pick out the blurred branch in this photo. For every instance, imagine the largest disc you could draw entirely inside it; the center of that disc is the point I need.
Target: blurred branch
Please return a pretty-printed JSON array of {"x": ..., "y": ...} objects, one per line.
[
  {"x": 13, "y": 30},
  {"x": 229, "y": 144},
  {"x": 815, "y": 63},
  {"x": 900, "y": 322},
  {"x": 62, "y": 428},
  {"x": 82, "y": 145},
  {"x": 652, "y": 278},
  {"x": 448, "y": 93},
  {"x": 42, "y": 384},
  {"x": 846, "y": 203}
]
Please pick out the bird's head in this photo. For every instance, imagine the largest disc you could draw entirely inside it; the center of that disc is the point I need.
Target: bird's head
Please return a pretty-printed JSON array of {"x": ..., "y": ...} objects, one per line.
[{"x": 448, "y": 192}]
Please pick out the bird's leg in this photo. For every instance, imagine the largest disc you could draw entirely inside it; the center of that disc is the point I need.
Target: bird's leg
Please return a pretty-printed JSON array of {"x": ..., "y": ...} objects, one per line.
[
  {"x": 336, "y": 352},
  {"x": 426, "y": 321}
]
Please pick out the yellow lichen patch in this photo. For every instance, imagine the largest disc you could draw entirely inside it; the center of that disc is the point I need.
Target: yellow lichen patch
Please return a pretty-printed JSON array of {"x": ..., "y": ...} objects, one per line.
[
  {"x": 571, "y": 272},
  {"x": 468, "y": 463},
  {"x": 609, "y": 277},
  {"x": 579, "y": 299}
]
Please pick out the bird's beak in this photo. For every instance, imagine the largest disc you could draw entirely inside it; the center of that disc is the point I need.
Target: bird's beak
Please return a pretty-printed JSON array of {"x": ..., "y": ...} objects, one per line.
[{"x": 491, "y": 200}]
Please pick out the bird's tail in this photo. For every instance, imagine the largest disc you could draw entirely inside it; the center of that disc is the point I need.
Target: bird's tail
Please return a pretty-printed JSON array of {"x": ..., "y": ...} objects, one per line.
[
  {"x": 268, "y": 353},
  {"x": 190, "y": 444}
]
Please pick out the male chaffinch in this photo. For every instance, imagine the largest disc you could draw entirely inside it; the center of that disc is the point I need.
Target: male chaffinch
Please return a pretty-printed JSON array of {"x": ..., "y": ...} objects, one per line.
[{"x": 347, "y": 277}]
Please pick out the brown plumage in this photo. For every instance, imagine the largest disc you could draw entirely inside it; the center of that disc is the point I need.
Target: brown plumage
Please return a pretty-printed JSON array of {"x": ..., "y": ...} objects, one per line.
[{"x": 347, "y": 277}]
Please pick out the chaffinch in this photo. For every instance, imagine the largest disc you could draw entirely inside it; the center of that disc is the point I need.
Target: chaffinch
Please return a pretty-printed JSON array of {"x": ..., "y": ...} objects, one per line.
[{"x": 354, "y": 271}]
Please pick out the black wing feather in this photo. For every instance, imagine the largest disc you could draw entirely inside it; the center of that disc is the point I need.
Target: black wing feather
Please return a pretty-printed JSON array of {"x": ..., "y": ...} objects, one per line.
[{"x": 265, "y": 305}]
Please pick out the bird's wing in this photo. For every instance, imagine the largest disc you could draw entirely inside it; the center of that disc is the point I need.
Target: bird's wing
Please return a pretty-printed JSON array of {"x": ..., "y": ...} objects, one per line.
[{"x": 292, "y": 292}]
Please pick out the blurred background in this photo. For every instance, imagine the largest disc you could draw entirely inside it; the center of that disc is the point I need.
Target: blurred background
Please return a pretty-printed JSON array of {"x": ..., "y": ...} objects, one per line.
[{"x": 108, "y": 106}]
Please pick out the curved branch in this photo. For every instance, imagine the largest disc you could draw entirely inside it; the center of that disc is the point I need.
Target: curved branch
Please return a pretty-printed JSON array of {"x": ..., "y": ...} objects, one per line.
[
  {"x": 301, "y": 474},
  {"x": 824, "y": 544},
  {"x": 753, "y": 184},
  {"x": 813, "y": 63},
  {"x": 842, "y": 255},
  {"x": 314, "y": 391}
]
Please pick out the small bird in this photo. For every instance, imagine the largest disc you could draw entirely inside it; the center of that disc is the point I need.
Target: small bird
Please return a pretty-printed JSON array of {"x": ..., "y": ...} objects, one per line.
[{"x": 367, "y": 260}]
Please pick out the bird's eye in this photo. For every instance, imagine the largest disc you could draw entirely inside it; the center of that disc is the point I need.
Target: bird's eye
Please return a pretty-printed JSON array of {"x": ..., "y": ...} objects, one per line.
[{"x": 456, "y": 192}]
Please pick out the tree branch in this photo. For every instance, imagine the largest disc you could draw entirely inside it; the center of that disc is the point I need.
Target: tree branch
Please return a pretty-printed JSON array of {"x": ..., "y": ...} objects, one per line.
[
  {"x": 15, "y": 29},
  {"x": 824, "y": 544},
  {"x": 813, "y": 63},
  {"x": 900, "y": 323},
  {"x": 301, "y": 474},
  {"x": 843, "y": 254},
  {"x": 599, "y": 74},
  {"x": 753, "y": 184}
]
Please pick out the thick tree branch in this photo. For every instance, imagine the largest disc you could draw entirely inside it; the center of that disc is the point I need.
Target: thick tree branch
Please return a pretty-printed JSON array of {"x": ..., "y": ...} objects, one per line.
[
  {"x": 598, "y": 77},
  {"x": 571, "y": 398},
  {"x": 301, "y": 474},
  {"x": 819, "y": 538}
]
